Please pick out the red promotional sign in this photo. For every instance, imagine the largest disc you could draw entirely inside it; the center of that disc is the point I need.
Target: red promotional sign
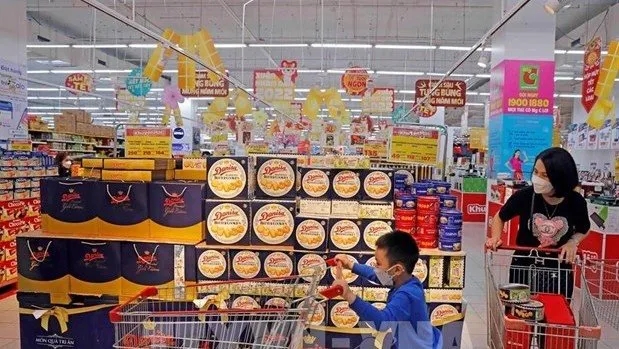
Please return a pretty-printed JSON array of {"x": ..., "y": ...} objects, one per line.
[
  {"x": 206, "y": 88},
  {"x": 355, "y": 81},
  {"x": 80, "y": 82},
  {"x": 276, "y": 85},
  {"x": 424, "y": 111},
  {"x": 591, "y": 73},
  {"x": 451, "y": 93}
]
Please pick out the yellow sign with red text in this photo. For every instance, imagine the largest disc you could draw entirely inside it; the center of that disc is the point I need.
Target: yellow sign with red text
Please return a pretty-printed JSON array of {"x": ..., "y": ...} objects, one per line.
[
  {"x": 478, "y": 138},
  {"x": 414, "y": 144},
  {"x": 148, "y": 142},
  {"x": 375, "y": 148}
]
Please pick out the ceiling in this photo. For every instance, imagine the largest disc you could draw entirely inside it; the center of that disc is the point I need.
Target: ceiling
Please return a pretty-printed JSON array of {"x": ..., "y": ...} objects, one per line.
[{"x": 445, "y": 25}]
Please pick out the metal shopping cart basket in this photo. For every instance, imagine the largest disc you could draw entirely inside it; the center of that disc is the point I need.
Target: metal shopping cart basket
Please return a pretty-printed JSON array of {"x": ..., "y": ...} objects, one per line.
[
  {"x": 546, "y": 276},
  {"x": 601, "y": 277},
  {"x": 159, "y": 318}
]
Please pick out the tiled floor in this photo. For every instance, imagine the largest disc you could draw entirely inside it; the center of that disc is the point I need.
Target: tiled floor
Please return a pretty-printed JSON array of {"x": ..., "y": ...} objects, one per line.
[{"x": 475, "y": 325}]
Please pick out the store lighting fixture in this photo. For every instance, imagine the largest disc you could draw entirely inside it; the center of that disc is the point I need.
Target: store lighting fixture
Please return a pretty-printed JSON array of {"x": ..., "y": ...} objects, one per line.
[
  {"x": 475, "y": 104},
  {"x": 100, "y": 46},
  {"x": 301, "y": 71},
  {"x": 406, "y": 47},
  {"x": 230, "y": 45},
  {"x": 554, "y": 6},
  {"x": 435, "y": 74},
  {"x": 484, "y": 60},
  {"x": 405, "y": 101},
  {"x": 38, "y": 71},
  {"x": 472, "y": 93},
  {"x": 569, "y": 95},
  {"x": 170, "y": 71},
  {"x": 300, "y": 99},
  {"x": 48, "y": 46},
  {"x": 407, "y": 91},
  {"x": 484, "y": 93},
  {"x": 112, "y": 71},
  {"x": 576, "y": 52},
  {"x": 560, "y": 52},
  {"x": 143, "y": 45},
  {"x": 43, "y": 89},
  {"x": 105, "y": 89},
  {"x": 483, "y": 76},
  {"x": 71, "y": 71},
  {"x": 278, "y": 45},
  {"x": 563, "y": 78},
  {"x": 388, "y": 72},
  {"x": 336, "y": 71},
  {"x": 462, "y": 75},
  {"x": 454, "y": 48},
  {"x": 342, "y": 45}
]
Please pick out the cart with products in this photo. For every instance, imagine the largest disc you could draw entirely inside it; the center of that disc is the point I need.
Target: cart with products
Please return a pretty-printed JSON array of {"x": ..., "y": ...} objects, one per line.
[
  {"x": 601, "y": 277},
  {"x": 533, "y": 301},
  {"x": 211, "y": 315}
]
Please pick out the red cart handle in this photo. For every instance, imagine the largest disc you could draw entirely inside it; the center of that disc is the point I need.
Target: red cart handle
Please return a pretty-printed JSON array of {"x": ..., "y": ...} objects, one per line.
[
  {"x": 332, "y": 292},
  {"x": 331, "y": 262},
  {"x": 115, "y": 314}
]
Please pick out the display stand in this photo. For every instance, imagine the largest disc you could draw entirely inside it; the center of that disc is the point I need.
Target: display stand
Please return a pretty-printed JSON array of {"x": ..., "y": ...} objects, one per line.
[{"x": 471, "y": 193}]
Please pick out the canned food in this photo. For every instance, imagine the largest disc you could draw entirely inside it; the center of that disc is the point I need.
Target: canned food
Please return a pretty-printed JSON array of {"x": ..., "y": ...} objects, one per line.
[
  {"x": 426, "y": 232},
  {"x": 405, "y": 200},
  {"x": 450, "y": 218},
  {"x": 441, "y": 187},
  {"x": 421, "y": 189},
  {"x": 532, "y": 310},
  {"x": 426, "y": 242},
  {"x": 427, "y": 220},
  {"x": 450, "y": 245},
  {"x": 428, "y": 204},
  {"x": 515, "y": 293},
  {"x": 450, "y": 232},
  {"x": 448, "y": 201},
  {"x": 403, "y": 215}
]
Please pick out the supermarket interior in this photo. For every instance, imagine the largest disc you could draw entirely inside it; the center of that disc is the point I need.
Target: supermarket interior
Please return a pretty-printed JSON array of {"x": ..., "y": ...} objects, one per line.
[{"x": 309, "y": 174}]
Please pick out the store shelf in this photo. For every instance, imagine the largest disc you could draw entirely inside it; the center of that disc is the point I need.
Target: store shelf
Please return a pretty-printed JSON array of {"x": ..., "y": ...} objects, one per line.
[
  {"x": 39, "y": 142},
  {"x": 67, "y": 141},
  {"x": 107, "y": 147},
  {"x": 42, "y": 234},
  {"x": 74, "y": 150},
  {"x": 70, "y": 134}
]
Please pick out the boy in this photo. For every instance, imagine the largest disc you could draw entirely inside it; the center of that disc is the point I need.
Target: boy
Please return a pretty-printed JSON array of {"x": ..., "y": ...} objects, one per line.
[{"x": 406, "y": 312}]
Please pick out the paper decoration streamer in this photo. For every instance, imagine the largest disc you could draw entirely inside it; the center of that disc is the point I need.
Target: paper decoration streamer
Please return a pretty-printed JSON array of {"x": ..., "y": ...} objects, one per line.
[
  {"x": 201, "y": 43},
  {"x": 331, "y": 99},
  {"x": 170, "y": 98},
  {"x": 215, "y": 111},
  {"x": 260, "y": 118},
  {"x": 605, "y": 106},
  {"x": 242, "y": 104}
]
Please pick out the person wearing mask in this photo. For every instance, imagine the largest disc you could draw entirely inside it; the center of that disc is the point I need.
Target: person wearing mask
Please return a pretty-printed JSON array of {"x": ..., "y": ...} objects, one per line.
[
  {"x": 64, "y": 164},
  {"x": 551, "y": 215}
]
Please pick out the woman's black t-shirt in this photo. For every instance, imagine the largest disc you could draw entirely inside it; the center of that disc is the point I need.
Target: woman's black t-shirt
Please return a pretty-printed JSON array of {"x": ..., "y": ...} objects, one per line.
[{"x": 552, "y": 225}]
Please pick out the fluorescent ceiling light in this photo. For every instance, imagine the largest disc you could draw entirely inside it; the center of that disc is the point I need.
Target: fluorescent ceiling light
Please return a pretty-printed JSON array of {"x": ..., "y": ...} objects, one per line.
[
  {"x": 41, "y": 108},
  {"x": 300, "y": 99},
  {"x": 69, "y": 71},
  {"x": 111, "y": 71},
  {"x": 487, "y": 76},
  {"x": 454, "y": 48},
  {"x": 472, "y": 93},
  {"x": 104, "y": 89},
  {"x": 47, "y": 46},
  {"x": 463, "y": 75},
  {"x": 435, "y": 74},
  {"x": 405, "y": 101},
  {"x": 569, "y": 95},
  {"x": 309, "y": 71},
  {"x": 43, "y": 89},
  {"x": 342, "y": 45},
  {"x": 388, "y": 72},
  {"x": 560, "y": 52},
  {"x": 302, "y": 89},
  {"x": 278, "y": 45},
  {"x": 336, "y": 71},
  {"x": 407, "y": 47},
  {"x": 51, "y": 98},
  {"x": 170, "y": 71},
  {"x": 563, "y": 78},
  {"x": 100, "y": 46},
  {"x": 484, "y": 60},
  {"x": 230, "y": 45},
  {"x": 38, "y": 71},
  {"x": 484, "y": 93},
  {"x": 580, "y": 78},
  {"x": 554, "y": 6},
  {"x": 576, "y": 52},
  {"x": 475, "y": 104},
  {"x": 143, "y": 45},
  {"x": 407, "y": 91}
]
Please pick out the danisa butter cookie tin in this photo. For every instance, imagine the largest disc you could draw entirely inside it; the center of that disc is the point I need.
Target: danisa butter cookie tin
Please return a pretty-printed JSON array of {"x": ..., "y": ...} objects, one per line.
[
  {"x": 515, "y": 293},
  {"x": 532, "y": 310},
  {"x": 275, "y": 178},
  {"x": 374, "y": 229},
  {"x": 227, "y": 178},
  {"x": 377, "y": 185},
  {"x": 348, "y": 275},
  {"x": 246, "y": 264},
  {"x": 278, "y": 264},
  {"x": 346, "y": 184},
  {"x": 227, "y": 222},
  {"x": 315, "y": 183},
  {"x": 273, "y": 222},
  {"x": 212, "y": 265},
  {"x": 310, "y": 263},
  {"x": 311, "y": 233},
  {"x": 340, "y": 315},
  {"x": 345, "y": 234}
]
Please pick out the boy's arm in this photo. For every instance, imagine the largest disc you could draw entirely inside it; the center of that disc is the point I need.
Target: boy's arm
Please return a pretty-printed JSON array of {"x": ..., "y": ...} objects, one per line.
[
  {"x": 398, "y": 309},
  {"x": 365, "y": 271}
]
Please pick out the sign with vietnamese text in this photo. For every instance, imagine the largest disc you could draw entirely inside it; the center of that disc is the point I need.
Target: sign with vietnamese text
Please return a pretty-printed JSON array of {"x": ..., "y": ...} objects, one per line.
[
  {"x": 148, "y": 142},
  {"x": 276, "y": 86},
  {"x": 355, "y": 81},
  {"x": 451, "y": 93},
  {"x": 375, "y": 148},
  {"x": 207, "y": 88},
  {"x": 478, "y": 138},
  {"x": 414, "y": 144},
  {"x": 380, "y": 101},
  {"x": 20, "y": 144},
  {"x": 591, "y": 73},
  {"x": 80, "y": 82}
]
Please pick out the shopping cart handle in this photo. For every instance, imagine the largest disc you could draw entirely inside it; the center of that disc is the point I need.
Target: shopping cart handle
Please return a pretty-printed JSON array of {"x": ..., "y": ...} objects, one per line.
[
  {"x": 528, "y": 249},
  {"x": 331, "y": 262},
  {"x": 332, "y": 292}
]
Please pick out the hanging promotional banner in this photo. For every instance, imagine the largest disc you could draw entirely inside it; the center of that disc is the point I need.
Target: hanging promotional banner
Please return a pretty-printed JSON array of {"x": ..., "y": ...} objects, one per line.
[
  {"x": 478, "y": 138},
  {"x": 128, "y": 102},
  {"x": 206, "y": 87},
  {"x": 80, "y": 82},
  {"x": 276, "y": 86},
  {"x": 380, "y": 101},
  {"x": 424, "y": 111},
  {"x": 604, "y": 108},
  {"x": 375, "y": 148},
  {"x": 148, "y": 142},
  {"x": 137, "y": 84},
  {"x": 590, "y": 73},
  {"x": 437, "y": 116},
  {"x": 355, "y": 81},
  {"x": 451, "y": 93},
  {"x": 414, "y": 144},
  {"x": 522, "y": 87},
  {"x": 13, "y": 101}
]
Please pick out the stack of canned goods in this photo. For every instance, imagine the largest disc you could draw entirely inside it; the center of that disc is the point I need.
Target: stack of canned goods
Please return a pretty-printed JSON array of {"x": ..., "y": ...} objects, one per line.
[
  {"x": 405, "y": 202},
  {"x": 450, "y": 230},
  {"x": 427, "y": 221}
]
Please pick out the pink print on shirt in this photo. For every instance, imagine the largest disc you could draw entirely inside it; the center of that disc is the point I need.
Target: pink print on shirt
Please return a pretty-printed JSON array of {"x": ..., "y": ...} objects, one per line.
[{"x": 549, "y": 231}]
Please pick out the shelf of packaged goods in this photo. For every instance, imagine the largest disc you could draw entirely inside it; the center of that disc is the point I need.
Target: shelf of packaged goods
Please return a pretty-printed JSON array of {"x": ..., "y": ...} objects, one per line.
[
  {"x": 71, "y": 134},
  {"x": 107, "y": 147},
  {"x": 39, "y": 142},
  {"x": 74, "y": 150},
  {"x": 68, "y": 141}
]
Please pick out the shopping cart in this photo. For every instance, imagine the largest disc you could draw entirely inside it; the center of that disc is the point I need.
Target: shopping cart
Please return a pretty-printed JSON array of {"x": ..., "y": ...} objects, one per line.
[
  {"x": 546, "y": 276},
  {"x": 601, "y": 277},
  {"x": 154, "y": 319}
]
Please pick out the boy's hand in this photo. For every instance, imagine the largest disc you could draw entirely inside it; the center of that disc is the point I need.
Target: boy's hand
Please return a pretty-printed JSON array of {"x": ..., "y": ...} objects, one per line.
[
  {"x": 347, "y": 294},
  {"x": 343, "y": 261}
]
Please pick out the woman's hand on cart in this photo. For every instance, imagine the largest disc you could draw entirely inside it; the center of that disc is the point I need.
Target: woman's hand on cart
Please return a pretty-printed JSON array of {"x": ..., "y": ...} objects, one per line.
[
  {"x": 492, "y": 243},
  {"x": 569, "y": 251}
]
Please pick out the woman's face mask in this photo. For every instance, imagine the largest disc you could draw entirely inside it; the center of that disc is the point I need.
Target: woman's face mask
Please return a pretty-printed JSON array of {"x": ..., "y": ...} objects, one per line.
[{"x": 384, "y": 277}]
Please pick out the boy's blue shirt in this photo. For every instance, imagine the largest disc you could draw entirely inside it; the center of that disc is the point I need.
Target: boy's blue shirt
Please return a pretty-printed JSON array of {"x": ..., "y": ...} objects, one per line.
[{"x": 405, "y": 305}]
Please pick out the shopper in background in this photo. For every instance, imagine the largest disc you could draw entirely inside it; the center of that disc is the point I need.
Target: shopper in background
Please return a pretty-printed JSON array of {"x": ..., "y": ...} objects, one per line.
[
  {"x": 406, "y": 312},
  {"x": 515, "y": 165},
  {"x": 552, "y": 215},
  {"x": 64, "y": 164}
]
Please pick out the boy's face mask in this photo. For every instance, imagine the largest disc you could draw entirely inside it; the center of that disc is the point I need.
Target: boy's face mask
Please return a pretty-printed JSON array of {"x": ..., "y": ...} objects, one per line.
[{"x": 384, "y": 277}]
